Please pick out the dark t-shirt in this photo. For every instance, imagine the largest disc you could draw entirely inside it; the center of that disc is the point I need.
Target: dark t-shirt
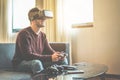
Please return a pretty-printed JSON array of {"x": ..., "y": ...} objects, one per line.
[{"x": 30, "y": 46}]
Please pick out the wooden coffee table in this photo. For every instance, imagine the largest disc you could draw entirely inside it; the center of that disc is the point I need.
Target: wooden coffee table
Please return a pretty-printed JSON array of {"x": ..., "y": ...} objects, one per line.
[{"x": 91, "y": 70}]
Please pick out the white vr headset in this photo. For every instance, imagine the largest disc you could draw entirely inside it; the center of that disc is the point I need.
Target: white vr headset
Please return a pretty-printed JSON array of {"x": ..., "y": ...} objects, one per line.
[
  {"x": 44, "y": 14},
  {"x": 47, "y": 13}
]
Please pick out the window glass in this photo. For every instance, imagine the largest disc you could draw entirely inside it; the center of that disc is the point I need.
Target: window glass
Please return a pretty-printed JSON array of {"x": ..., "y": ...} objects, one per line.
[{"x": 20, "y": 10}]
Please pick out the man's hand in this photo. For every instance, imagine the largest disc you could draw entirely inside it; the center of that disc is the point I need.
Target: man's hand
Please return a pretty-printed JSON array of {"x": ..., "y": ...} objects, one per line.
[
  {"x": 58, "y": 56},
  {"x": 55, "y": 56},
  {"x": 62, "y": 55}
]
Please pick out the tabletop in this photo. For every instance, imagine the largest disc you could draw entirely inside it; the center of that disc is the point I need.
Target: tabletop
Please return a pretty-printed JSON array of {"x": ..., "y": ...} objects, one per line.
[{"x": 89, "y": 70}]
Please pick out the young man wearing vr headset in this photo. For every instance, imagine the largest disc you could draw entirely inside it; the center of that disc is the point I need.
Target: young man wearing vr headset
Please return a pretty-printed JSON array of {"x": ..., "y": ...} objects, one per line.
[{"x": 33, "y": 52}]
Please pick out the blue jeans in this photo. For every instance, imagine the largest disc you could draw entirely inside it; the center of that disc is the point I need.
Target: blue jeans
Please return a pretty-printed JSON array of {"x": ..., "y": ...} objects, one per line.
[
  {"x": 33, "y": 66},
  {"x": 36, "y": 66}
]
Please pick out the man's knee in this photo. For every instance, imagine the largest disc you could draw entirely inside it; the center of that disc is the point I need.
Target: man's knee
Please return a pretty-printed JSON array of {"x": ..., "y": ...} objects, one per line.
[
  {"x": 37, "y": 63},
  {"x": 37, "y": 66}
]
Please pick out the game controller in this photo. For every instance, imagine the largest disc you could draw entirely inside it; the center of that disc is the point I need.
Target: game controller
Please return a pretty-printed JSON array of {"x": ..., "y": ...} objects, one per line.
[{"x": 63, "y": 54}]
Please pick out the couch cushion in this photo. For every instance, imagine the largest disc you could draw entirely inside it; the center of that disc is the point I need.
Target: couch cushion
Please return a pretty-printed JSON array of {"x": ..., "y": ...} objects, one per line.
[{"x": 6, "y": 54}]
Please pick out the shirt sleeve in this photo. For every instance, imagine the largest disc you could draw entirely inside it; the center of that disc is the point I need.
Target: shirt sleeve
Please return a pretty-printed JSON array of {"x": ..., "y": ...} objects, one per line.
[{"x": 48, "y": 49}]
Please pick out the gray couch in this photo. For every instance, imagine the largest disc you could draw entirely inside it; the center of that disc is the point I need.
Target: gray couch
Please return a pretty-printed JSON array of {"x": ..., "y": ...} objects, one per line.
[{"x": 6, "y": 54}]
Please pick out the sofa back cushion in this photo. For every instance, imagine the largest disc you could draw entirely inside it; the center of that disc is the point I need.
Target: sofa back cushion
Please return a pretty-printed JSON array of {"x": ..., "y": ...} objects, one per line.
[
  {"x": 6, "y": 54},
  {"x": 7, "y": 51}
]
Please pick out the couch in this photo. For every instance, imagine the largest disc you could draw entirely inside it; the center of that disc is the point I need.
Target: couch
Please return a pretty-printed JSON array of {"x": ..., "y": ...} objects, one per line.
[{"x": 6, "y": 54}]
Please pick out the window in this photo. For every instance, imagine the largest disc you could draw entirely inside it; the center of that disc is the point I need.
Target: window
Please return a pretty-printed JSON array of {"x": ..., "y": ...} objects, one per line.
[
  {"x": 20, "y": 10},
  {"x": 80, "y": 12}
]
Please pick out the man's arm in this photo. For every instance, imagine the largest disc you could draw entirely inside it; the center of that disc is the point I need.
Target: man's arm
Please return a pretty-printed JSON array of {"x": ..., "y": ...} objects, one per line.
[{"x": 56, "y": 56}]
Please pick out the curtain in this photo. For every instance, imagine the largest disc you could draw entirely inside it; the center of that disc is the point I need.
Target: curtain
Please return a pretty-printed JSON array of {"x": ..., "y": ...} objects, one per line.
[
  {"x": 50, "y": 27},
  {"x": 5, "y": 22},
  {"x": 63, "y": 26},
  {"x": 1, "y": 20},
  {"x": 63, "y": 23},
  {"x": 57, "y": 29}
]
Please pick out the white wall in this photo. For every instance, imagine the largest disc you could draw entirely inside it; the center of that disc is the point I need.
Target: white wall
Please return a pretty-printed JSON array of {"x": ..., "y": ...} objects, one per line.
[{"x": 101, "y": 43}]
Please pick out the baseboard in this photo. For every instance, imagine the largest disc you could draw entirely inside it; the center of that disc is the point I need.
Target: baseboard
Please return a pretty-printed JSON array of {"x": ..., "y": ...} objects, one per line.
[{"x": 115, "y": 76}]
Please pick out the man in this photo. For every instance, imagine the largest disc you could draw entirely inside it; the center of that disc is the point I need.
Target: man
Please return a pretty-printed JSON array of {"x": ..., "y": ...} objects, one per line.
[{"x": 33, "y": 52}]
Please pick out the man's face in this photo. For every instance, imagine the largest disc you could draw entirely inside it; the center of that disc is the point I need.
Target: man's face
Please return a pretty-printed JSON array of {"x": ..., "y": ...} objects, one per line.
[{"x": 40, "y": 23}]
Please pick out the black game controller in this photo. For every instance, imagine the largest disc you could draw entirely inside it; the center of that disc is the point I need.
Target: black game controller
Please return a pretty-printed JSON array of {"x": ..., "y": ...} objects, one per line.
[{"x": 63, "y": 54}]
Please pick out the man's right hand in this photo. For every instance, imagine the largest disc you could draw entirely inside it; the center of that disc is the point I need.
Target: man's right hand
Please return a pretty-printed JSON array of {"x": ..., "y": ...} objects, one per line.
[{"x": 55, "y": 56}]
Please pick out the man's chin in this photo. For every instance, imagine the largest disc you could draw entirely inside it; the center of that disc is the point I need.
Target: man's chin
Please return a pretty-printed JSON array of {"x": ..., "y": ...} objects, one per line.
[{"x": 41, "y": 26}]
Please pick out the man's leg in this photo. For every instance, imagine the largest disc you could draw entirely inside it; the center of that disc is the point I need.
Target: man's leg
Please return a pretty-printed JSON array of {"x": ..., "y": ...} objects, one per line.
[{"x": 34, "y": 66}]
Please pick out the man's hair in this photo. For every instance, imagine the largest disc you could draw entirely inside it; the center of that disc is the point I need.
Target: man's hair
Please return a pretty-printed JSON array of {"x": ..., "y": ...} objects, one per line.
[
  {"x": 36, "y": 13},
  {"x": 33, "y": 14}
]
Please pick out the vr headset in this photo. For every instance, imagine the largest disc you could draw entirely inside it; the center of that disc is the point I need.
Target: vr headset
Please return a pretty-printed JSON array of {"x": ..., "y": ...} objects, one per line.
[
  {"x": 44, "y": 14},
  {"x": 47, "y": 13}
]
